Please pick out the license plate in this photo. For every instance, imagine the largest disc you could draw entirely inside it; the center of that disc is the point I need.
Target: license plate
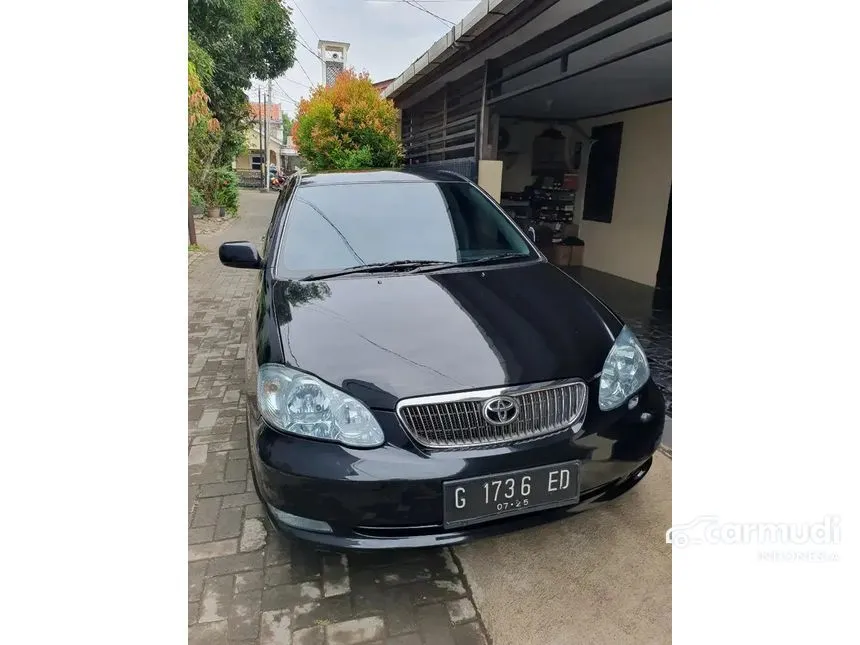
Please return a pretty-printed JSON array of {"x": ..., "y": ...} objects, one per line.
[{"x": 483, "y": 498}]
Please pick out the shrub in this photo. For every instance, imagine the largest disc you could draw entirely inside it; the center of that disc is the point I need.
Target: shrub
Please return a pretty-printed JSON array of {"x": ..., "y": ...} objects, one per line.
[
  {"x": 226, "y": 189},
  {"x": 347, "y": 126},
  {"x": 197, "y": 198}
]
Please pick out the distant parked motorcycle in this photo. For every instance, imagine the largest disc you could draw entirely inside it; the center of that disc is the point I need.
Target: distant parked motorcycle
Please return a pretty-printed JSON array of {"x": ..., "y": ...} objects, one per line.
[{"x": 278, "y": 181}]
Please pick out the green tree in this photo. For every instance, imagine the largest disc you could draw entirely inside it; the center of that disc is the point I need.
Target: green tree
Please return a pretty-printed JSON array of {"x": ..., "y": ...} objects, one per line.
[
  {"x": 244, "y": 39},
  {"x": 203, "y": 64},
  {"x": 347, "y": 126},
  {"x": 287, "y": 124}
]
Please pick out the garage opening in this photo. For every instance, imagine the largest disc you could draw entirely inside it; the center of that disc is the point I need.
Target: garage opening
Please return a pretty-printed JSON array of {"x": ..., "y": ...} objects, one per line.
[
  {"x": 606, "y": 93},
  {"x": 585, "y": 137}
]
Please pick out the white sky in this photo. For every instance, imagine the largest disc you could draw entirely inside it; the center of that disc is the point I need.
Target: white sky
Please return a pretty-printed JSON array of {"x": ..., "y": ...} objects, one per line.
[{"x": 384, "y": 37}]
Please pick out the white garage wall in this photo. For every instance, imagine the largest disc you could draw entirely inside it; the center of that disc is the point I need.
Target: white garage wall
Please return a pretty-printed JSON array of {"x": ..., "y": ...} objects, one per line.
[{"x": 629, "y": 246}]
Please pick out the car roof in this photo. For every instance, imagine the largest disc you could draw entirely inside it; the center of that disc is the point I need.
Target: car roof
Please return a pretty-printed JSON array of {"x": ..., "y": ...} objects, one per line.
[{"x": 378, "y": 176}]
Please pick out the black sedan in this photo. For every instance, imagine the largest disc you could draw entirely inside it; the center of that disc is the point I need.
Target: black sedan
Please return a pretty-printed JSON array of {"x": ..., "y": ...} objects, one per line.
[{"x": 418, "y": 374}]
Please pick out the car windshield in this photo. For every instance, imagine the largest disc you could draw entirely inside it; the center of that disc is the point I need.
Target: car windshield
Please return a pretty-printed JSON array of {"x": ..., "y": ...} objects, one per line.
[{"x": 334, "y": 227}]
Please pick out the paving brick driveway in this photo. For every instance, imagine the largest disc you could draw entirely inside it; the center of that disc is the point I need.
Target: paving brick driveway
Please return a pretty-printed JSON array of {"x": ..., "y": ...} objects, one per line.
[{"x": 246, "y": 583}]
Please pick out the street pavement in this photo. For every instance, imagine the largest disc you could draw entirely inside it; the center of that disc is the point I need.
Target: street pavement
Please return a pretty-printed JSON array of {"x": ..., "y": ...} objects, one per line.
[
  {"x": 599, "y": 578},
  {"x": 248, "y": 584}
]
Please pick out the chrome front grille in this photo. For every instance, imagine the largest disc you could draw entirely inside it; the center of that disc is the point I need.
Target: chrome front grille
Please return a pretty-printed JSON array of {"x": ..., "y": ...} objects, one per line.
[{"x": 451, "y": 421}]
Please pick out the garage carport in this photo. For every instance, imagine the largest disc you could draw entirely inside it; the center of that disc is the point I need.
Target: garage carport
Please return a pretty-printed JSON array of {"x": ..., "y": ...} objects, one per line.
[{"x": 598, "y": 73}]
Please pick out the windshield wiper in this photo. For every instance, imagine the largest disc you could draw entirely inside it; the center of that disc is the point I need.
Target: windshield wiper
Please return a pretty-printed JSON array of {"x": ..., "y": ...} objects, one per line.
[
  {"x": 489, "y": 259},
  {"x": 379, "y": 267}
]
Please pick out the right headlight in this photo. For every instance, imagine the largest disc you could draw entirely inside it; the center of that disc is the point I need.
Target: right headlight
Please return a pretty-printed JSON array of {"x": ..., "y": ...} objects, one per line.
[
  {"x": 295, "y": 402},
  {"x": 625, "y": 371}
]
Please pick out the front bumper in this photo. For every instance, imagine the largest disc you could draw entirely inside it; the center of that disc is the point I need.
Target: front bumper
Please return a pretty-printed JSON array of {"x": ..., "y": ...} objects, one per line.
[{"x": 391, "y": 497}]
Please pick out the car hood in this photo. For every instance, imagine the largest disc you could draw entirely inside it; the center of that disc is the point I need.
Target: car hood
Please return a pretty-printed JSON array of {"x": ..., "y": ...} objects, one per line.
[{"x": 383, "y": 338}]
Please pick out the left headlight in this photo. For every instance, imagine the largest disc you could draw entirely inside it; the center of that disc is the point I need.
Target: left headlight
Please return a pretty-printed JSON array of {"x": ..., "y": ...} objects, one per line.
[
  {"x": 298, "y": 403},
  {"x": 624, "y": 372}
]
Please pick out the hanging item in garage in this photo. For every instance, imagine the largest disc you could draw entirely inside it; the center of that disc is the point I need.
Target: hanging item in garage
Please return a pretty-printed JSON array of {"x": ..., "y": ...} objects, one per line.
[{"x": 548, "y": 153}]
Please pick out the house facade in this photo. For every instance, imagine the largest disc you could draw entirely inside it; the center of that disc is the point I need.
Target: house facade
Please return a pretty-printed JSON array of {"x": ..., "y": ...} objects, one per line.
[
  {"x": 248, "y": 164},
  {"x": 290, "y": 159},
  {"x": 571, "y": 96}
]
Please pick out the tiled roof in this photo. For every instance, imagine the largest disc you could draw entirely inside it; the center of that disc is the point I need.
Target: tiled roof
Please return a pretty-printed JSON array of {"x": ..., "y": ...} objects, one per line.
[
  {"x": 381, "y": 85},
  {"x": 274, "y": 111}
]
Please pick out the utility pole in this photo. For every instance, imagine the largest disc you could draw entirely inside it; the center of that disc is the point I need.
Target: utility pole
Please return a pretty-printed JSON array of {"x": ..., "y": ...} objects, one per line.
[
  {"x": 268, "y": 104},
  {"x": 260, "y": 119}
]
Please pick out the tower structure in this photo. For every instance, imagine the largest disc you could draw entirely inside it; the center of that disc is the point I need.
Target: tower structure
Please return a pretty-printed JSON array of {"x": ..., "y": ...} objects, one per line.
[{"x": 333, "y": 57}]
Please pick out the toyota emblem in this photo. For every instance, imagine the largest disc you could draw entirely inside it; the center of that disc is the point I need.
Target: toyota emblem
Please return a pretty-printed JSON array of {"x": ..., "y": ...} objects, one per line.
[{"x": 500, "y": 410}]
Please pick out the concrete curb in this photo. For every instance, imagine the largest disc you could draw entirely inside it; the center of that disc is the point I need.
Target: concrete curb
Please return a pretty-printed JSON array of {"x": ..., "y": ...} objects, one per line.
[{"x": 666, "y": 446}]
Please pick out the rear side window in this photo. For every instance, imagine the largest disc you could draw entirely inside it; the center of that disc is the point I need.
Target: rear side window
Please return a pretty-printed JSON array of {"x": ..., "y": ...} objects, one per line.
[{"x": 339, "y": 226}]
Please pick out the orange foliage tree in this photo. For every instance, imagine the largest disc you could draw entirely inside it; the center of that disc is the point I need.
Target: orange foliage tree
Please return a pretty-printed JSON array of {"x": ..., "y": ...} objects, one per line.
[
  {"x": 347, "y": 126},
  {"x": 203, "y": 131}
]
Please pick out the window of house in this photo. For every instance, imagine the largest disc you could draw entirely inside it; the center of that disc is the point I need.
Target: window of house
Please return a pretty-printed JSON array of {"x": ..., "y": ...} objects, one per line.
[
  {"x": 602, "y": 173},
  {"x": 256, "y": 161}
]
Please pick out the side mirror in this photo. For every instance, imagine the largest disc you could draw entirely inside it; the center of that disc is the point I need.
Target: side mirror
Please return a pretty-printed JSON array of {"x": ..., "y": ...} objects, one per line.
[
  {"x": 532, "y": 234},
  {"x": 239, "y": 255}
]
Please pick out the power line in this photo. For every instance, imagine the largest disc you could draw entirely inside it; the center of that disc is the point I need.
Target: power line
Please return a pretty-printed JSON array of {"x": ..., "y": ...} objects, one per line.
[
  {"x": 306, "y": 46},
  {"x": 289, "y": 98},
  {"x": 262, "y": 88},
  {"x": 301, "y": 41},
  {"x": 307, "y": 76},
  {"x": 280, "y": 97},
  {"x": 413, "y": 3},
  {"x": 306, "y": 20},
  {"x": 297, "y": 82}
]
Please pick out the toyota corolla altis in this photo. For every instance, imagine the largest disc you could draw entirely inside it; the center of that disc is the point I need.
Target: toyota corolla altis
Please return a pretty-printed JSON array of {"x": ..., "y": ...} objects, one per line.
[{"x": 418, "y": 374}]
